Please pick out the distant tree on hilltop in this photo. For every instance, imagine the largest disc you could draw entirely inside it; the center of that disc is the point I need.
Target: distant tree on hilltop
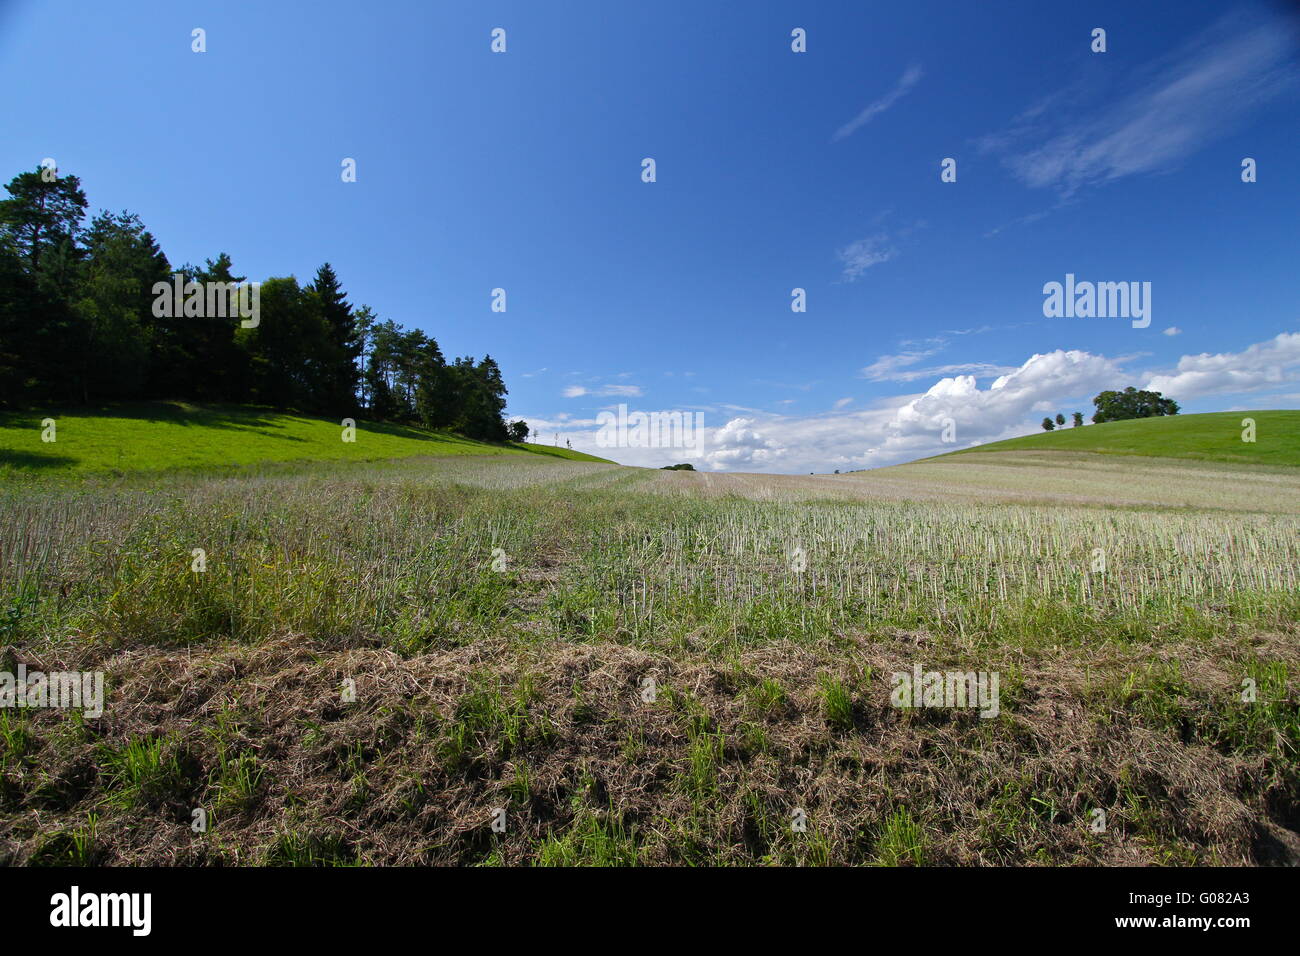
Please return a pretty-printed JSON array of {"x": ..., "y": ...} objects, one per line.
[{"x": 1132, "y": 403}]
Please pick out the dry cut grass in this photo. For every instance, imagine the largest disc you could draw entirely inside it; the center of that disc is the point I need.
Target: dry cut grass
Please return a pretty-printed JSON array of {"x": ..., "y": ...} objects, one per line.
[{"x": 648, "y": 667}]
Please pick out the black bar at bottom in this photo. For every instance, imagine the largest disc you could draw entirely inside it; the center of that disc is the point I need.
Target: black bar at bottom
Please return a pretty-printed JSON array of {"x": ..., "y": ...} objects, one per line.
[{"x": 334, "y": 907}]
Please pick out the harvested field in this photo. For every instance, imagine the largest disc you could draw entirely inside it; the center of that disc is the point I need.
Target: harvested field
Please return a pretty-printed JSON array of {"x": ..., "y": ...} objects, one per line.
[{"x": 623, "y": 666}]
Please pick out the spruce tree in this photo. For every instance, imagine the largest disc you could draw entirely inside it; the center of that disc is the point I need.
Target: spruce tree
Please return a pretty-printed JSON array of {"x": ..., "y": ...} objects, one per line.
[{"x": 340, "y": 376}]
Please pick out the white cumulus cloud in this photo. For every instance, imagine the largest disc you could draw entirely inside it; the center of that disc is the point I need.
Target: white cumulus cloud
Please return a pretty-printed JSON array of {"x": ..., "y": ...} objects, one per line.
[
  {"x": 905, "y": 427},
  {"x": 1262, "y": 365}
]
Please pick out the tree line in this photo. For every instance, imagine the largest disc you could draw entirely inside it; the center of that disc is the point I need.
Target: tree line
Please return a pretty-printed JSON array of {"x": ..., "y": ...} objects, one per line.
[
  {"x": 81, "y": 322},
  {"x": 1113, "y": 406}
]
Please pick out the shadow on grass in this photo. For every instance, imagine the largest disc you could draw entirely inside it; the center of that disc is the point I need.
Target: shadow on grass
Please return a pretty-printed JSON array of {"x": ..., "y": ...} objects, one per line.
[
  {"x": 417, "y": 434},
  {"x": 236, "y": 417},
  {"x": 174, "y": 413},
  {"x": 250, "y": 419},
  {"x": 31, "y": 461}
]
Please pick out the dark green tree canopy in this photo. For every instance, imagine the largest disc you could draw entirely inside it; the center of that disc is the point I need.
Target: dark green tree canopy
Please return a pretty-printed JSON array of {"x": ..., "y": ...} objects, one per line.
[
  {"x": 43, "y": 212},
  {"x": 340, "y": 374},
  {"x": 1131, "y": 403},
  {"x": 81, "y": 320}
]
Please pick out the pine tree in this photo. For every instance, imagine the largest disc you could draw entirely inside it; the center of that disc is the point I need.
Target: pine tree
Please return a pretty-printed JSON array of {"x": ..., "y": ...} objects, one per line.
[
  {"x": 43, "y": 343},
  {"x": 42, "y": 215},
  {"x": 341, "y": 376}
]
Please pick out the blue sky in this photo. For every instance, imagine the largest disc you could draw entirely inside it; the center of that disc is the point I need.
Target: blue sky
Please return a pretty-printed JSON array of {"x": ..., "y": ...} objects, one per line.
[{"x": 775, "y": 170}]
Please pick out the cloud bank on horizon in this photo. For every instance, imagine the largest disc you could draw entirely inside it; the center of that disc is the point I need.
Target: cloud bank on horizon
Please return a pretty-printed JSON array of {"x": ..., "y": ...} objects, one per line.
[{"x": 906, "y": 427}]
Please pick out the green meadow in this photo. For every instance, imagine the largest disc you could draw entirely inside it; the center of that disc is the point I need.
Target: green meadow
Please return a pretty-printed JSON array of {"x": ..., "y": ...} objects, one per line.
[
  {"x": 162, "y": 436},
  {"x": 1212, "y": 436}
]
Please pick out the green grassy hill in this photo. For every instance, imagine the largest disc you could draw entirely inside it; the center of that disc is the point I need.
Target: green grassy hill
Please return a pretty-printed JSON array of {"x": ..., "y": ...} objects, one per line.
[
  {"x": 161, "y": 436},
  {"x": 1214, "y": 436}
]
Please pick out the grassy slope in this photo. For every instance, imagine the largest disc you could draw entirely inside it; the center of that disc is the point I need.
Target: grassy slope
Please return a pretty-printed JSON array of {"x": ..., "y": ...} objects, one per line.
[
  {"x": 169, "y": 435},
  {"x": 1214, "y": 436}
]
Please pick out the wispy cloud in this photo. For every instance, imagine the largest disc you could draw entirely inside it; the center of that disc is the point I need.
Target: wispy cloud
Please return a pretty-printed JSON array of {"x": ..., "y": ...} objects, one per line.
[
  {"x": 881, "y": 246},
  {"x": 887, "y": 367},
  {"x": 624, "y": 391},
  {"x": 903, "y": 366},
  {"x": 1025, "y": 220},
  {"x": 1175, "y": 107},
  {"x": 911, "y": 76},
  {"x": 895, "y": 368},
  {"x": 860, "y": 256}
]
